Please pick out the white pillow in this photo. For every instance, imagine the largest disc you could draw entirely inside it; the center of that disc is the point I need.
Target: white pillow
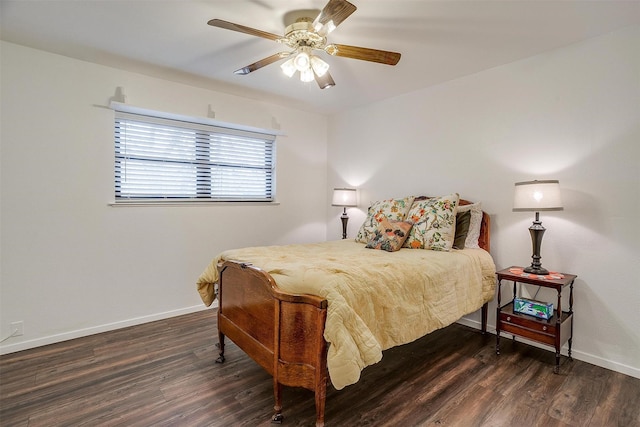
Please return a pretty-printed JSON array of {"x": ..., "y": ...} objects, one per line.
[{"x": 474, "y": 224}]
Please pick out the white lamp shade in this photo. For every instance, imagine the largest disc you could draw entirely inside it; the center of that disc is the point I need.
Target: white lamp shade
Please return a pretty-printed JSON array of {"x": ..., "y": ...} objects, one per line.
[
  {"x": 288, "y": 67},
  {"x": 537, "y": 196},
  {"x": 319, "y": 66},
  {"x": 306, "y": 75},
  {"x": 344, "y": 197}
]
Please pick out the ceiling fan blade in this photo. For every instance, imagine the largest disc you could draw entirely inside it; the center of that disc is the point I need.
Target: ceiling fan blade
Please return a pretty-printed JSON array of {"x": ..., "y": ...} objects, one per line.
[
  {"x": 262, "y": 63},
  {"x": 332, "y": 15},
  {"x": 363, "y": 53},
  {"x": 325, "y": 81},
  {"x": 242, "y": 29}
]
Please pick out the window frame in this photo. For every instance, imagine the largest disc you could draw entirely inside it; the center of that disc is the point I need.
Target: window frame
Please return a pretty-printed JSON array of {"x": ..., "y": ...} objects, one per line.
[{"x": 199, "y": 125}]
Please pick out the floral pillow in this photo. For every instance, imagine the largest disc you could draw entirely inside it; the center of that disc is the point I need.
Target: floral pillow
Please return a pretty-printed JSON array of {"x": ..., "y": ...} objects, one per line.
[
  {"x": 389, "y": 235},
  {"x": 434, "y": 223},
  {"x": 392, "y": 209}
]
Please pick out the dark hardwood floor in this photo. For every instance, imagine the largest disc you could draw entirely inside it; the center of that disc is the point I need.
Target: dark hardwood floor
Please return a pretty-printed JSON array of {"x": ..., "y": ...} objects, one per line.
[{"x": 163, "y": 374}]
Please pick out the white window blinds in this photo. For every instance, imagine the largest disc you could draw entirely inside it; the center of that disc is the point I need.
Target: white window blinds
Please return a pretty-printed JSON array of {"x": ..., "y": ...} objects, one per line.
[{"x": 163, "y": 159}]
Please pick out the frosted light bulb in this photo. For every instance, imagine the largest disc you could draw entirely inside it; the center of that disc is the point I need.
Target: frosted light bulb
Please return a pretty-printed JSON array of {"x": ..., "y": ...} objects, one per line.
[{"x": 301, "y": 61}]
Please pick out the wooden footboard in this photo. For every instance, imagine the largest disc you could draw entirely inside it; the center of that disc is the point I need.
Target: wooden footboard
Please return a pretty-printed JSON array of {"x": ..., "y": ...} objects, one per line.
[{"x": 283, "y": 333}]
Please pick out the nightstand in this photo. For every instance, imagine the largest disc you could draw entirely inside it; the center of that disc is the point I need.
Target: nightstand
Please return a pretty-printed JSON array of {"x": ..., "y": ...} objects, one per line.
[{"x": 555, "y": 331}]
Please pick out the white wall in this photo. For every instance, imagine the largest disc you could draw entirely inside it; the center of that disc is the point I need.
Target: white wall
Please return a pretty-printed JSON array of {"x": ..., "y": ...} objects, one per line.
[
  {"x": 572, "y": 114},
  {"x": 71, "y": 264}
]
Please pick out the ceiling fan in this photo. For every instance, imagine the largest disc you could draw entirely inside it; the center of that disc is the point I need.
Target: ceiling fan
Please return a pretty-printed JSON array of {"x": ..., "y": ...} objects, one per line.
[{"x": 304, "y": 35}]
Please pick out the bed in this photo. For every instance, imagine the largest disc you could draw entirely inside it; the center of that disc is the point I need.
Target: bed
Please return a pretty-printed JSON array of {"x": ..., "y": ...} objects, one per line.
[{"x": 311, "y": 313}]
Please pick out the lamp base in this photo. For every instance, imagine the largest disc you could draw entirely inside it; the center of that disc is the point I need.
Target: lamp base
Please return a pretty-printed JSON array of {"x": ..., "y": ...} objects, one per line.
[
  {"x": 344, "y": 218},
  {"x": 536, "y": 270},
  {"x": 537, "y": 231}
]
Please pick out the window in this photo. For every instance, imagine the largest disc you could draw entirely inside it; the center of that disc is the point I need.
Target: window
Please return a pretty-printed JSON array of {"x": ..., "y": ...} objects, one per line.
[{"x": 161, "y": 159}]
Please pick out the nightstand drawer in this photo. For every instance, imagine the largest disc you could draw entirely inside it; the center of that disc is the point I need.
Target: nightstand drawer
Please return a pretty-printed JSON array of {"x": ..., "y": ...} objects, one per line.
[
  {"x": 530, "y": 330},
  {"x": 529, "y": 323}
]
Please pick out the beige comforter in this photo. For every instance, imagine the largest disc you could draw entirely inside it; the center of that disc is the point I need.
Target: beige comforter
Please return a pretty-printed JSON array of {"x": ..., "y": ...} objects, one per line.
[{"x": 376, "y": 299}]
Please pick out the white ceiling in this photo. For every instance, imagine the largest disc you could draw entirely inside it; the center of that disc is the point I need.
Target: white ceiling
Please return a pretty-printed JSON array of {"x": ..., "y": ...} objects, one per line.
[{"x": 439, "y": 40}]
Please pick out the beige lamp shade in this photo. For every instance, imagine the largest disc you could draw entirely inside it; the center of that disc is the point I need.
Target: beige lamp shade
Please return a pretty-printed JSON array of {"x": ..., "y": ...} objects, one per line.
[
  {"x": 536, "y": 196},
  {"x": 344, "y": 197}
]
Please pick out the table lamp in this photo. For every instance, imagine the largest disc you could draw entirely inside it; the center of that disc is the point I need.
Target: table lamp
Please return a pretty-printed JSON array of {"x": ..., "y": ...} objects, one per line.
[
  {"x": 536, "y": 196},
  {"x": 344, "y": 197}
]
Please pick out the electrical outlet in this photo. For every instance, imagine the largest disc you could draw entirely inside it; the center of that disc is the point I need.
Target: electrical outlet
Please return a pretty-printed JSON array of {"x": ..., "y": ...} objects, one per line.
[{"x": 17, "y": 328}]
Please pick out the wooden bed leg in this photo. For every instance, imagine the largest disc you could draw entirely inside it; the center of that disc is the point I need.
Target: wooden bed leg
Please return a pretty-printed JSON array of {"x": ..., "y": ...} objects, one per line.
[
  {"x": 277, "y": 393},
  {"x": 220, "y": 345},
  {"x": 485, "y": 311},
  {"x": 321, "y": 398}
]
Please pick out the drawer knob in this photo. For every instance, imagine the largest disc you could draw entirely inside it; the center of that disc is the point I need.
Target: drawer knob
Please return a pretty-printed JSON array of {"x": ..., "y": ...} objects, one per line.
[
  {"x": 508, "y": 318},
  {"x": 544, "y": 328}
]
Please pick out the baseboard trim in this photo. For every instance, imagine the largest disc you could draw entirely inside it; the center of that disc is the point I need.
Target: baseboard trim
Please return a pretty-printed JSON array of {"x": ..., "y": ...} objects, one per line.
[
  {"x": 576, "y": 354},
  {"x": 79, "y": 333}
]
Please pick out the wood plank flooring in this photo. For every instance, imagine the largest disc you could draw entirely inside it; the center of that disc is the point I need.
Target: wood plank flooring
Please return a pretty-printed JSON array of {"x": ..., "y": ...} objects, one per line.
[{"x": 163, "y": 374}]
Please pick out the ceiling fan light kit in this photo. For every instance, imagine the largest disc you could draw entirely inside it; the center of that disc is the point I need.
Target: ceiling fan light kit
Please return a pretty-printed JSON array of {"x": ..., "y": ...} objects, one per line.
[{"x": 303, "y": 35}]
